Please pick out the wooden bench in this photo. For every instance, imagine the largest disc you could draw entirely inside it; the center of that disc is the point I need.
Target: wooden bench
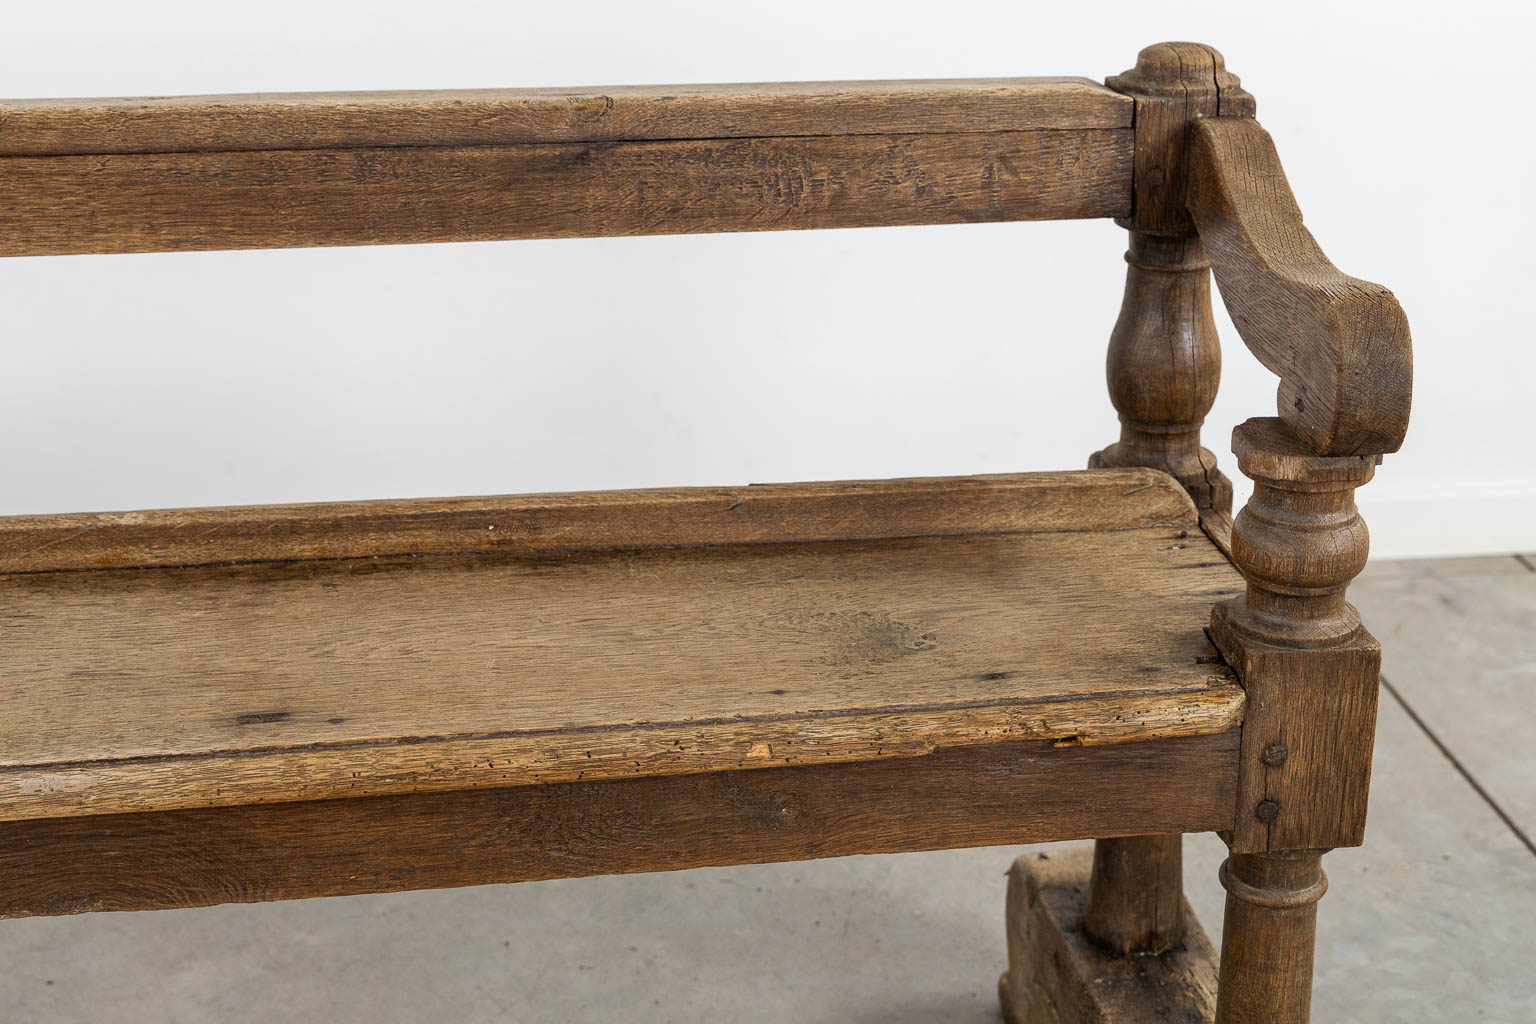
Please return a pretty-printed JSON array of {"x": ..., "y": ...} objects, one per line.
[{"x": 243, "y": 704}]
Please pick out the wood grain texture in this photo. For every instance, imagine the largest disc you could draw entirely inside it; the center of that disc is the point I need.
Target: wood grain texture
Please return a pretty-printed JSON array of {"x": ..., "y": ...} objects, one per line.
[
  {"x": 499, "y": 117},
  {"x": 1311, "y": 672},
  {"x": 1056, "y": 976},
  {"x": 1340, "y": 345},
  {"x": 1173, "y": 85},
  {"x": 156, "y": 688},
  {"x": 1308, "y": 733},
  {"x": 288, "y": 198},
  {"x": 1120, "y": 499},
  {"x": 1217, "y": 525},
  {"x": 975, "y": 796}
]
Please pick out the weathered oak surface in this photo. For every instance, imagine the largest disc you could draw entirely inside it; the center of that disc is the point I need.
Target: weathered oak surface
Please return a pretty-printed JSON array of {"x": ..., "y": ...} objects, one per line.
[
  {"x": 1135, "y": 898},
  {"x": 1163, "y": 368},
  {"x": 323, "y": 700},
  {"x": 192, "y": 173},
  {"x": 1032, "y": 791},
  {"x": 1309, "y": 667},
  {"x": 1057, "y": 975},
  {"x": 1340, "y": 345},
  {"x": 1173, "y": 85},
  {"x": 1268, "y": 933},
  {"x": 848, "y": 510},
  {"x": 293, "y": 198},
  {"x": 1308, "y": 736},
  {"x": 142, "y": 689},
  {"x": 501, "y": 117}
]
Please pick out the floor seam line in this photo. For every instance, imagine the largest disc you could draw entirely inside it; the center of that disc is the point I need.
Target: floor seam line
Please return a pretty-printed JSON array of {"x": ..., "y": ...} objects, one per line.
[
  {"x": 1525, "y": 562},
  {"x": 1445, "y": 751}
]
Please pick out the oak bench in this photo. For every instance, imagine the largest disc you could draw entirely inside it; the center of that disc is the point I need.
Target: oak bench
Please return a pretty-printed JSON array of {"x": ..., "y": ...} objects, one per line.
[{"x": 242, "y": 704}]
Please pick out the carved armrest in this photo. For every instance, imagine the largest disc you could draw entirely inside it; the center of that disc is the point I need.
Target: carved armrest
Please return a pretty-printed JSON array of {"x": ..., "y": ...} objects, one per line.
[
  {"x": 1339, "y": 344},
  {"x": 1342, "y": 350}
]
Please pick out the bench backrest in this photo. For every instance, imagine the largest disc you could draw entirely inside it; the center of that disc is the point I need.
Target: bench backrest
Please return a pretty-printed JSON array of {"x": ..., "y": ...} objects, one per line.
[
  {"x": 272, "y": 171},
  {"x": 1171, "y": 149}
]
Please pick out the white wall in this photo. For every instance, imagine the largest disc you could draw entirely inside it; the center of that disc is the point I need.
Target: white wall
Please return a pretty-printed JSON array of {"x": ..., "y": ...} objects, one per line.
[{"x": 194, "y": 379}]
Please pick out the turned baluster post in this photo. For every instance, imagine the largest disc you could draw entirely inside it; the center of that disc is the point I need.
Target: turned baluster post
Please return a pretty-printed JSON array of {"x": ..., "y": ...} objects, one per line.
[
  {"x": 1163, "y": 367},
  {"x": 1164, "y": 364},
  {"x": 1299, "y": 540}
]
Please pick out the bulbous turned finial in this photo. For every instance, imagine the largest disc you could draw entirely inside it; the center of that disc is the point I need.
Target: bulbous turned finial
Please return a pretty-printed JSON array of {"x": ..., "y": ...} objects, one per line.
[
  {"x": 1299, "y": 540},
  {"x": 1176, "y": 69}
]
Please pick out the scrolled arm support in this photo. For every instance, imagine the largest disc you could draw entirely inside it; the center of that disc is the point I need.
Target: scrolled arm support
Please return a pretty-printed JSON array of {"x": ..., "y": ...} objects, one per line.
[{"x": 1340, "y": 345}]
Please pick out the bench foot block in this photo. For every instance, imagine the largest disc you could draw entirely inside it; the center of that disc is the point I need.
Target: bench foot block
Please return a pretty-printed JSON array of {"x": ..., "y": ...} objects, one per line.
[{"x": 1057, "y": 976}]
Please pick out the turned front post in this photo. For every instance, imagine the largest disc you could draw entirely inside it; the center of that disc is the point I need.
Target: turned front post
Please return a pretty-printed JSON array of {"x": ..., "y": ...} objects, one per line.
[
  {"x": 1310, "y": 670},
  {"x": 1268, "y": 935},
  {"x": 1163, "y": 367}
]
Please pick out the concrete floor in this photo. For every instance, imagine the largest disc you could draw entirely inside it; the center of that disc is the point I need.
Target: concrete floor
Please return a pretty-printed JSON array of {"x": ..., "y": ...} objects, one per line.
[{"x": 1433, "y": 920}]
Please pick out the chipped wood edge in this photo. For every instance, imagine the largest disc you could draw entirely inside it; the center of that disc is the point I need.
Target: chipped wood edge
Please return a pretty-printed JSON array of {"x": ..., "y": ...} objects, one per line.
[{"x": 430, "y": 764}]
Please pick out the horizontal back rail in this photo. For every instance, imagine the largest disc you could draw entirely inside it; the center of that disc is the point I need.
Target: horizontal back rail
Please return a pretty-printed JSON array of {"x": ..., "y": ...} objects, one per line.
[
  {"x": 273, "y": 171},
  {"x": 504, "y": 117}
]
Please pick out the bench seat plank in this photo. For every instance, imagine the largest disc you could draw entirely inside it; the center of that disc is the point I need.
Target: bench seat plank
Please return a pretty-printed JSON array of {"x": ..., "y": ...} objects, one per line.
[{"x": 139, "y": 689}]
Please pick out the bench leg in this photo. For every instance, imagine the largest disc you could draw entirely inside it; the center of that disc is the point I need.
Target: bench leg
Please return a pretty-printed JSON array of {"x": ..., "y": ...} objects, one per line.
[
  {"x": 1057, "y": 975},
  {"x": 1267, "y": 939},
  {"x": 1136, "y": 894}
]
